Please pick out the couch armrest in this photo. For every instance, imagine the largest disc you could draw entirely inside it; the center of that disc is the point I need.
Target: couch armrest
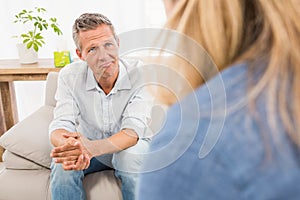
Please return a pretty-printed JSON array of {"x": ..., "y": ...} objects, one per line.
[
  {"x": 51, "y": 85},
  {"x": 29, "y": 138}
]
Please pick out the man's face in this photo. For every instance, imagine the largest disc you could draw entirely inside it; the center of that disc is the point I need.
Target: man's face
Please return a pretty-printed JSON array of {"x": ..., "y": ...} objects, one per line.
[{"x": 100, "y": 50}]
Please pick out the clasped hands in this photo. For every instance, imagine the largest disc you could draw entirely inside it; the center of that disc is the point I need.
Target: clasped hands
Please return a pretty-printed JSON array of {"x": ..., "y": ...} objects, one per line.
[{"x": 72, "y": 154}]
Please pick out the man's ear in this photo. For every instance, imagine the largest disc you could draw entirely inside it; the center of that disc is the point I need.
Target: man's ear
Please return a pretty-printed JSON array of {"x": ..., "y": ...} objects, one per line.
[{"x": 78, "y": 52}]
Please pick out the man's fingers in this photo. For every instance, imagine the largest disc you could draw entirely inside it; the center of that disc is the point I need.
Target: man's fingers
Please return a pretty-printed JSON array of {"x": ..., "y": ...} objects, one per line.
[
  {"x": 88, "y": 160},
  {"x": 79, "y": 164},
  {"x": 66, "y": 159},
  {"x": 75, "y": 135},
  {"x": 69, "y": 146},
  {"x": 68, "y": 165},
  {"x": 82, "y": 163},
  {"x": 75, "y": 152}
]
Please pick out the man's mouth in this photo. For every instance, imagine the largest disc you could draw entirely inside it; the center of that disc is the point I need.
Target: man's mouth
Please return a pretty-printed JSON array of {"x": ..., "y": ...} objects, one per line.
[{"x": 106, "y": 64}]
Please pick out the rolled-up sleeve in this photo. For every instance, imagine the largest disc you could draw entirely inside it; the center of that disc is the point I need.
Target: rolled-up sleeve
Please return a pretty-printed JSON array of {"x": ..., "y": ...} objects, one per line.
[
  {"x": 66, "y": 110},
  {"x": 137, "y": 114}
]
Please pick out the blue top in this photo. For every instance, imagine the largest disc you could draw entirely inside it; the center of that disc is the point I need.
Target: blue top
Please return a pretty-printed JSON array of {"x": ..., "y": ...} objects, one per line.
[{"x": 212, "y": 147}]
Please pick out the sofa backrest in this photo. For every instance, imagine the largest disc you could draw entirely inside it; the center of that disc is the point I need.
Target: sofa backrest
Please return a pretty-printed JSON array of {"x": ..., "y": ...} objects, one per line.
[{"x": 51, "y": 85}]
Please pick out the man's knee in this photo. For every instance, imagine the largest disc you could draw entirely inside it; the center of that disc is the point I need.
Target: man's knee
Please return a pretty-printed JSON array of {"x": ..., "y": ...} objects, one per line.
[
  {"x": 130, "y": 160},
  {"x": 58, "y": 174}
]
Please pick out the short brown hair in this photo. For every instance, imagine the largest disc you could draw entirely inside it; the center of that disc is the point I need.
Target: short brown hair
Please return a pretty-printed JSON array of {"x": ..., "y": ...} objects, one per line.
[{"x": 90, "y": 21}]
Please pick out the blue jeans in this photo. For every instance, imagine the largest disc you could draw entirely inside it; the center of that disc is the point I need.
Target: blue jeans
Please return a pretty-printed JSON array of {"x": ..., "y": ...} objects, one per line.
[{"x": 67, "y": 185}]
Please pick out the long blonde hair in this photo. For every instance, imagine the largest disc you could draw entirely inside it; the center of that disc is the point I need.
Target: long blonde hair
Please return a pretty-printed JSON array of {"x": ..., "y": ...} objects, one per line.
[{"x": 233, "y": 31}]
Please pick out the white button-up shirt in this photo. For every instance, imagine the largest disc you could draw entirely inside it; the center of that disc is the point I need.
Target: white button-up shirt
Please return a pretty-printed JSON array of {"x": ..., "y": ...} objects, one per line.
[{"x": 82, "y": 105}]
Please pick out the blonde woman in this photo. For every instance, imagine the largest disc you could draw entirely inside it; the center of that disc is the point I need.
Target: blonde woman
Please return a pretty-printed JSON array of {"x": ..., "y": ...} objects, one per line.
[{"x": 241, "y": 139}]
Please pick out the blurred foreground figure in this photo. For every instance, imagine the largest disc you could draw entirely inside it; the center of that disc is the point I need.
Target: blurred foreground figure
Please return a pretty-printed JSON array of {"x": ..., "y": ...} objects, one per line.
[{"x": 237, "y": 135}]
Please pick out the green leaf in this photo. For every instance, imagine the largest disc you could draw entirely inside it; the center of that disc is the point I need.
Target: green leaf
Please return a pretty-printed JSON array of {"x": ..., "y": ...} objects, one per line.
[
  {"x": 39, "y": 43},
  {"x": 35, "y": 47},
  {"x": 40, "y": 27},
  {"x": 29, "y": 45},
  {"x": 38, "y": 36},
  {"x": 25, "y": 41},
  {"x": 56, "y": 29},
  {"x": 53, "y": 19},
  {"x": 31, "y": 33},
  {"x": 24, "y": 35},
  {"x": 45, "y": 26}
]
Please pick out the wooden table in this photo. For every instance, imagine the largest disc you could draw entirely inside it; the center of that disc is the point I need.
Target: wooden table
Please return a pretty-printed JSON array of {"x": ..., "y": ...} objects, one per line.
[{"x": 11, "y": 70}]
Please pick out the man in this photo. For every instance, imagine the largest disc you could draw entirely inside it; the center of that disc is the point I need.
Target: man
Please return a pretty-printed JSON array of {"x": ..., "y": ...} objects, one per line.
[{"x": 102, "y": 113}]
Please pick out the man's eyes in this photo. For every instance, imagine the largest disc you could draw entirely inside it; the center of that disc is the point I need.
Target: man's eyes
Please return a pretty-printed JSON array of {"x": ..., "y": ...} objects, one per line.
[
  {"x": 108, "y": 44},
  {"x": 91, "y": 49}
]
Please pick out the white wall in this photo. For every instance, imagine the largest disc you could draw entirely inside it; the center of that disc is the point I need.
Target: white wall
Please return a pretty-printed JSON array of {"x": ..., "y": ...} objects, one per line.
[{"x": 126, "y": 15}]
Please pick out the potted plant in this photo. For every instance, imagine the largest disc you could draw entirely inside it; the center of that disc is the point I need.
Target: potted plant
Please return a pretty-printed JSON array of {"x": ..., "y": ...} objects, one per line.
[{"x": 37, "y": 24}]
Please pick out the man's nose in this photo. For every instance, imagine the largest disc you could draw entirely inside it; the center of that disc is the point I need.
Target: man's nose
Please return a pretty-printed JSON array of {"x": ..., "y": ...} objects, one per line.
[{"x": 101, "y": 53}]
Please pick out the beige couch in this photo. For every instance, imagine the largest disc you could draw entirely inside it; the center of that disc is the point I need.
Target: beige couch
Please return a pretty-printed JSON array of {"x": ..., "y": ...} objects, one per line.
[{"x": 26, "y": 159}]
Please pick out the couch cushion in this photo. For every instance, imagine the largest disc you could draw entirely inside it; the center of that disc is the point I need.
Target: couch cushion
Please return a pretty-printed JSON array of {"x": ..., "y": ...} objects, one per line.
[
  {"x": 34, "y": 185},
  {"x": 14, "y": 161},
  {"x": 29, "y": 138},
  {"x": 24, "y": 184}
]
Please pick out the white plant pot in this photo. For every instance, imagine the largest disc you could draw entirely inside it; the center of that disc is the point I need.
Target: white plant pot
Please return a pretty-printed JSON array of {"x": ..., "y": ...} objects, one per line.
[{"x": 27, "y": 56}]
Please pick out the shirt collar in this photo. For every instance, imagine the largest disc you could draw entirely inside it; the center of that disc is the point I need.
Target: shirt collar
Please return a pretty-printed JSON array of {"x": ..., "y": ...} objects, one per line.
[{"x": 122, "y": 83}]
